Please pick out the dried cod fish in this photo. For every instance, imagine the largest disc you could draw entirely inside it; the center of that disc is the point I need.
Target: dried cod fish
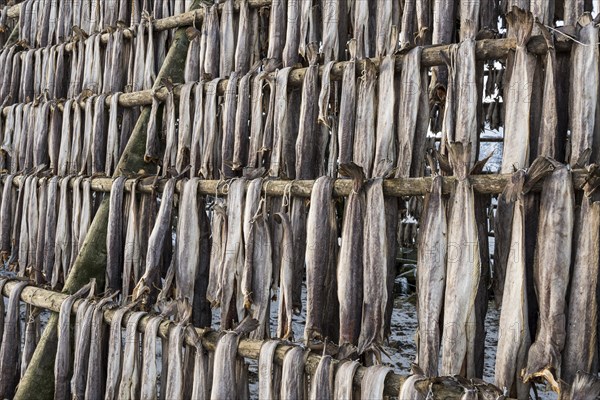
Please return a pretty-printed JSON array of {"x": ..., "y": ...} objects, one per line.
[
  {"x": 185, "y": 127},
  {"x": 174, "y": 381},
  {"x": 96, "y": 365},
  {"x": 281, "y": 137},
  {"x": 325, "y": 94},
  {"x": 50, "y": 228},
  {"x": 284, "y": 314},
  {"x": 192, "y": 61},
  {"x": 431, "y": 277},
  {"x": 463, "y": 271},
  {"x": 321, "y": 258},
  {"x": 322, "y": 380},
  {"x": 11, "y": 348},
  {"x": 372, "y": 383},
  {"x": 350, "y": 263},
  {"x": 256, "y": 120},
  {"x": 306, "y": 151},
  {"x": 115, "y": 352},
  {"x": 201, "y": 387},
  {"x": 114, "y": 236},
  {"x": 242, "y": 131},
  {"x": 197, "y": 144},
  {"x": 348, "y": 112},
  {"x": 344, "y": 378},
  {"x": 293, "y": 381},
  {"x": 152, "y": 134},
  {"x": 170, "y": 122},
  {"x": 551, "y": 276},
  {"x": 150, "y": 375},
  {"x": 212, "y": 33},
  {"x": 229, "y": 126},
  {"x": 582, "y": 311},
  {"x": 227, "y": 40},
  {"x": 217, "y": 255},
  {"x": 292, "y": 36},
  {"x": 408, "y": 390},
  {"x": 227, "y": 380},
  {"x": 375, "y": 255},
  {"x": 514, "y": 338},
  {"x": 586, "y": 386},
  {"x": 156, "y": 242},
  {"x": 585, "y": 61},
  {"x": 518, "y": 99},
  {"x": 364, "y": 143},
  {"x": 62, "y": 244},
  {"x": 269, "y": 374},
  {"x": 130, "y": 379},
  {"x": 211, "y": 151},
  {"x": 412, "y": 86},
  {"x": 231, "y": 298},
  {"x": 188, "y": 233},
  {"x": 385, "y": 149},
  {"x": 113, "y": 134}
]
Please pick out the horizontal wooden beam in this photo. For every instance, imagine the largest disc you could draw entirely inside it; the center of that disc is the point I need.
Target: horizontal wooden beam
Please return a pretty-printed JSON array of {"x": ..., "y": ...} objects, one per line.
[
  {"x": 485, "y": 184},
  {"x": 49, "y": 300}
]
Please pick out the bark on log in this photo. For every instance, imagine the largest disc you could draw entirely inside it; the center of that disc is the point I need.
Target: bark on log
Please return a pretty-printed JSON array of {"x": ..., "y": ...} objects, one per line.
[
  {"x": 485, "y": 184},
  {"x": 38, "y": 381},
  {"x": 50, "y": 300}
]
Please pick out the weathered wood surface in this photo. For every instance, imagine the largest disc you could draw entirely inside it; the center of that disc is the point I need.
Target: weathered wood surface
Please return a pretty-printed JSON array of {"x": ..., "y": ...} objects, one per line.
[
  {"x": 247, "y": 348},
  {"x": 486, "y": 184}
]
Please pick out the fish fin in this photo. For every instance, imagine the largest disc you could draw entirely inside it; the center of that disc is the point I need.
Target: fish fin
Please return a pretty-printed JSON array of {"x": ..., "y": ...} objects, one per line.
[
  {"x": 539, "y": 169},
  {"x": 479, "y": 165},
  {"x": 355, "y": 172},
  {"x": 247, "y": 325}
]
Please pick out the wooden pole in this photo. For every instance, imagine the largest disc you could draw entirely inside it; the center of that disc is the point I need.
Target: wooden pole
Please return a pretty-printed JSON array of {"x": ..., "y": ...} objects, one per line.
[
  {"x": 50, "y": 300},
  {"x": 486, "y": 49},
  {"x": 485, "y": 184},
  {"x": 38, "y": 381}
]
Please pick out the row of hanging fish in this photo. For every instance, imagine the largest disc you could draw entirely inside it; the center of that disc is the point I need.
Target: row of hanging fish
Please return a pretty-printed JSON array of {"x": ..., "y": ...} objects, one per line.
[
  {"x": 85, "y": 137},
  {"x": 49, "y": 22},
  {"x": 84, "y": 65},
  {"x": 44, "y": 224}
]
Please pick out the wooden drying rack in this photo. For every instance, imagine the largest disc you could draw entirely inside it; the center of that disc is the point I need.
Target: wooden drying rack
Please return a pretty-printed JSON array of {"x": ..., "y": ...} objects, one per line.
[
  {"x": 485, "y": 184},
  {"x": 248, "y": 348}
]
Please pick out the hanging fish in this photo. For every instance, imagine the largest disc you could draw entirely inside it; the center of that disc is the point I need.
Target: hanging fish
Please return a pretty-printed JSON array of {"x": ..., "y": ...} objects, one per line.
[
  {"x": 348, "y": 112},
  {"x": 225, "y": 380},
  {"x": 212, "y": 138},
  {"x": 321, "y": 260},
  {"x": 229, "y": 126},
  {"x": 269, "y": 374},
  {"x": 150, "y": 375},
  {"x": 11, "y": 348},
  {"x": 585, "y": 61},
  {"x": 113, "y": 134},
  {"x": 174, "y": 381},
  {"x": 582, "y": 312},
  {"x": 292, "y": 41},
  {"x": 284, "y": 314},
  {"x": 281, "y": 122},
  {"x": 344, "y": 378},
  {"x": 114, "y": 236},
  {"x": 586, "y": 386},
  {"x": 130, "y": 379},
  {"x": 375, "y": 255},
  {"x": 94, "y": 387},
  {"x": 408, "y": 390},
  {"x": 322, "y": 380},
  {"x": 373, "y": 382},
  {"x": 412, "y": 85},
  {"x": 192, "y": 63},
  {"x": 364, "y": 144},
  {"x": 385, "y": 149},
  {"x": 152, "y": 153},
  {"x": 551, "y": 276},
  {"x": 307, "y": 165},
  {"x": 463, "y": 271},
  {"x": 62, "y": 246},
  {"x": 518, "y": 98},
  {"x": 514, "y": 338},
  {"x": 293, "y": 380},
  {"x": 149, "y": 63},
  {"x": 156, "y": 242},
  {"x": 170, "y": 124},
  {"x": 231, "y": 297},
  {"x": 227, "y": 40},
  {"x": 185, "y": 127},
  {"x": 201, "y": 387},
  {"x": 217, "y": 255},
  {"x": 212, "y": 34},
  {"x": 115, "y": 351},
  {"x": 431, "y": 277},
  {"x": 242, "y": 131}
]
